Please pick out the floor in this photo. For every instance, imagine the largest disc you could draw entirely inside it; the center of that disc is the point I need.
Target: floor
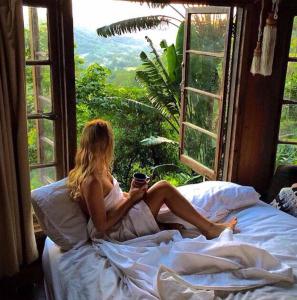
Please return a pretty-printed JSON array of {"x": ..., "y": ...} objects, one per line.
[{"x": 27, "y": 285}]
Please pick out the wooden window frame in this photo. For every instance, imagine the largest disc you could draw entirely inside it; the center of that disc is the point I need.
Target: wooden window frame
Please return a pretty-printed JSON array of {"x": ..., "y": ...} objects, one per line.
[
  {"x": 222, "y": 98},
  {"x": 61, "y": 61},
  {"x": 283, "y": 100}
]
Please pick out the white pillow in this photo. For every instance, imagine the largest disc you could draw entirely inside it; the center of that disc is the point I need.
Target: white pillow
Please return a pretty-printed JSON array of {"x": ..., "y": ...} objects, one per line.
[
  {"x": 60, "y": 217},
  {"x": 214, "y": 199}
]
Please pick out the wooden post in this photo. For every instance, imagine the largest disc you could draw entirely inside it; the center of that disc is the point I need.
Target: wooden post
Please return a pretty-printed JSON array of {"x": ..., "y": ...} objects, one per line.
[{"x": 36, "y": 78}]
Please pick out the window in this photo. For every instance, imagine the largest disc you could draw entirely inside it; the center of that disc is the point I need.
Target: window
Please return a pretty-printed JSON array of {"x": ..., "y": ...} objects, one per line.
[
  {"x": 287, "y": 138},
  {"x": 49, "y": 123},
  {"x": 204, "y": 89}
]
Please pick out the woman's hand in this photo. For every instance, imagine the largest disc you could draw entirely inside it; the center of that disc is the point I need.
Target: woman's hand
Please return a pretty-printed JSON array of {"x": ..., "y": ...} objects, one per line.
[{"x": 137, "y": 193}]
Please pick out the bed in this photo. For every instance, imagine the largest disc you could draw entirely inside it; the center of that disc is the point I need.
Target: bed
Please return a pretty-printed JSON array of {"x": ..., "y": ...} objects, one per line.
[{"x": 85, "y": 273}]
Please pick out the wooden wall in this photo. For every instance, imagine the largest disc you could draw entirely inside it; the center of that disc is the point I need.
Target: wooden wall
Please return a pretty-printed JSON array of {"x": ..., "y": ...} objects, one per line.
[{"x": 258, "y": 106}]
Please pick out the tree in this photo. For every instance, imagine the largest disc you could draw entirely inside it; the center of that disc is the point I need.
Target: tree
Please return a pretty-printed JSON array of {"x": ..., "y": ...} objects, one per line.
[{"x": 131, "y": 119}]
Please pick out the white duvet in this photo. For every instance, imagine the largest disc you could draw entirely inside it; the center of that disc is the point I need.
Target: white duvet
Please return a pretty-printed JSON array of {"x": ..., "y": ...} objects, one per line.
[{"x": 167, "y": 266}]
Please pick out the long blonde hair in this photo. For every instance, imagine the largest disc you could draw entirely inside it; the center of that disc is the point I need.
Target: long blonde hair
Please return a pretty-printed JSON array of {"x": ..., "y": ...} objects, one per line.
[{"x": 94, "y": 156}]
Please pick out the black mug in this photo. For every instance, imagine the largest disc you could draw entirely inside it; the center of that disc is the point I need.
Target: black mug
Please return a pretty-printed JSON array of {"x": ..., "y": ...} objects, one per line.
[{"x": 140, "y": 179}]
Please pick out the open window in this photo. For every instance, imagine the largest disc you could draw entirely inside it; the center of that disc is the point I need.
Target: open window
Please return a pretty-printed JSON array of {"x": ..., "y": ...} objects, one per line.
[
  {"x": 50, "y": 102},
  {"x": 204, "y": 88},
  {"x": 287, "y": 138}
]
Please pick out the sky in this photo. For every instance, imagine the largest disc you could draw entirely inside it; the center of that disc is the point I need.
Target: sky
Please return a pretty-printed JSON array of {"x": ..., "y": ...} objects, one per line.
[{"x": 92, "y": 14}]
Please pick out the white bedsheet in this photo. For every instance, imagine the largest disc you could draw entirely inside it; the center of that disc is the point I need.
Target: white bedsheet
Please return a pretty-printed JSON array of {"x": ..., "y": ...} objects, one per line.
[
  {"x": 220, "y": 264},
  {"x": 84, "y": 274}
]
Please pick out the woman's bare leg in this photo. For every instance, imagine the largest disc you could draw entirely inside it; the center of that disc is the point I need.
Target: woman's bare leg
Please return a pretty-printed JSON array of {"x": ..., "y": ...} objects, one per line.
[{"x": 163, "y": 192}]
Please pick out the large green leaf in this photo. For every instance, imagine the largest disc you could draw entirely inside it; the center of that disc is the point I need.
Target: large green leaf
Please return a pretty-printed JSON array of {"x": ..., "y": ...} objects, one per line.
[
  {"x": 133, "y": 25},
  {"x": 179, "y": 42},
  {"x": 171, "y": 62},
  {"x": 157, "y": 140}
]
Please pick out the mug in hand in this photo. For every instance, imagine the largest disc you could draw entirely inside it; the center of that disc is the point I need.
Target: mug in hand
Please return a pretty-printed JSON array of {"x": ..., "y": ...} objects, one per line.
[{"x": 140, "y": 179}]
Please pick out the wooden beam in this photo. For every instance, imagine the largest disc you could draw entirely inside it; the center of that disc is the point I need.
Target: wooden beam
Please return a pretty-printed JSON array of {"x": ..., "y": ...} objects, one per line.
[
  {"x": 197, "y": 167},
  {"x": 204, "y": 93},
  {"x": 40, "y": 166},
  {"x": 195, "y": 127},
  {"x": 212, "y": 54}
]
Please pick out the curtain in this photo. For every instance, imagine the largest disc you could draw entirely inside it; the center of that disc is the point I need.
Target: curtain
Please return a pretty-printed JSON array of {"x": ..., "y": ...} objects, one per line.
[{"x": 17, "y": 241}]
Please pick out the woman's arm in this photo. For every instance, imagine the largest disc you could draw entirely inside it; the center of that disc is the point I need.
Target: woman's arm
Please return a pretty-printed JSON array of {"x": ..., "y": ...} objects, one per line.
[{"x": 94, "y": 197}]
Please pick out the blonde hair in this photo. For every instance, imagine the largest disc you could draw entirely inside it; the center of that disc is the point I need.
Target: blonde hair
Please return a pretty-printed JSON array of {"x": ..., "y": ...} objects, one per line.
[{"x": 94, "y": 155}]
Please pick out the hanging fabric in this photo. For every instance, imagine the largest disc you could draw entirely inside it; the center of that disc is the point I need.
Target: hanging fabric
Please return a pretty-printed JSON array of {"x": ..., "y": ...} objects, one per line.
[
  {"x": 269, "y": 40},
  {"x": 256, "y": 63},
  {"x": 18, "y": 246}
]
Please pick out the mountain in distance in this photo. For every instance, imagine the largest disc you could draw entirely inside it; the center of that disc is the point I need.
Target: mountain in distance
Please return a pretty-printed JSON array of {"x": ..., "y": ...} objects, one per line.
[{"x": 115, "y": 53}]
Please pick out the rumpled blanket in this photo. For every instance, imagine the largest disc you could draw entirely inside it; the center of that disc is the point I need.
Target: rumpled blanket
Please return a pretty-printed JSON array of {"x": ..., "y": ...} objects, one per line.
[{"x": 153, "y": 266}]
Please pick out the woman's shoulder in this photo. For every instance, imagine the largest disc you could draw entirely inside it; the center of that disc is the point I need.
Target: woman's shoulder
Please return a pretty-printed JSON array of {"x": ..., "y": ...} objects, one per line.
[{"x": 91, "y": 182}]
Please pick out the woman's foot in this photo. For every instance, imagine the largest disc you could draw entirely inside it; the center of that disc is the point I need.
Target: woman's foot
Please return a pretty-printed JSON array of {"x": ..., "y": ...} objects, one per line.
[{"x": 216, "y": 228}]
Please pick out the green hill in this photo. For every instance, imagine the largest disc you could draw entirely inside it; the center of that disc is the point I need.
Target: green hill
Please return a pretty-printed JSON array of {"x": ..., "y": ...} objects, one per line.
[{"x": 114, "y": 52}]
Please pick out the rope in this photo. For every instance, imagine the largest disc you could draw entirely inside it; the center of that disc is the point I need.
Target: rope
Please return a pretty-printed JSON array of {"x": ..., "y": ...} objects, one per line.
[
  {"x": 275, "y": 4},
  {"x": 260, "y": 32}
]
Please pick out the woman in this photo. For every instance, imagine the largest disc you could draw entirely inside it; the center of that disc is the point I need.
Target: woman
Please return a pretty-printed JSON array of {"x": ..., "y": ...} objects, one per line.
[{"x": 118, "y": 215}]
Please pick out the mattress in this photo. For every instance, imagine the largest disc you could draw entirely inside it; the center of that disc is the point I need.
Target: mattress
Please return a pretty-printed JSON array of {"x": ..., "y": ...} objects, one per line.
[
  {"x": 50, "y": 264},
  {"x": 260, "y": 225}
]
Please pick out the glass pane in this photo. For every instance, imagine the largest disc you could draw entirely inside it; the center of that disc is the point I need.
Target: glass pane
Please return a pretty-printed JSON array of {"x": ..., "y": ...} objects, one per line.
[
  {"x": 38, "y": 89},
  {"x": 293, "y": 46},
  {"x": 200, "y": 147},
  {"x": 41, "y": 141},
  {"x": 43, "y": 176},
  {"x": 36, "y": 33},
  {"x": 205, "y": 73},
  {"x": 288, "y": 124},
  {"x": 286, "y": 155},
  {"x": 208, "y": 32},
  {"x": 202, "y": 111},
  {"x": 291, "y": 81}
]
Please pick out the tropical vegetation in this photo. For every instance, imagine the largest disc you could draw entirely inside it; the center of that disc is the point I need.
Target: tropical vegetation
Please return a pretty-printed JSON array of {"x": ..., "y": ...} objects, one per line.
[{"x": 143, "y": 103}]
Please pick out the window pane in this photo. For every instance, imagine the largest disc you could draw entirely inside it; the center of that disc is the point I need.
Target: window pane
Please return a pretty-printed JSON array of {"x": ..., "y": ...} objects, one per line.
[
  {"x": 43, "y": 176},
  {"x": 208, "y": 32},
  {"x": 41, "y": 141},
  {"x": 286, "y": 155},
  {"x": 291, "y": 82},
  {"x": 288, "y": 124},
  {"x": 202, "y": 111},
  {"x": 38, "y": 89},
  {"x": 36, "y": 33},
  {"x": 293, "y": 46},
  {"x": 200, "y": 147},
  {"x": 205, "y": 73}
]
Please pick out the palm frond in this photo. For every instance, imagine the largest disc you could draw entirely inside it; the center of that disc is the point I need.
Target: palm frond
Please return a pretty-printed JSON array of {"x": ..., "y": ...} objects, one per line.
[
  {"x": 161, "y": 94},
  {"x": 116, "y": 105},
  {"x": 150, "y": 3},
  {"x": 157, "y": 140},
  {"x": 152, "y": 76},
  {"x": 133, "y": 25},
  {"x": 194, "y": 179},
  {"x": 165, "y": 168}
]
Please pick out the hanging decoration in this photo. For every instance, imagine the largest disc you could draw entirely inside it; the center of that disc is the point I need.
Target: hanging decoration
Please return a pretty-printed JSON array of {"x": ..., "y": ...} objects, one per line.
[
  {"x": 256, "y": 63},
  {"x": 269, "y": 40}
]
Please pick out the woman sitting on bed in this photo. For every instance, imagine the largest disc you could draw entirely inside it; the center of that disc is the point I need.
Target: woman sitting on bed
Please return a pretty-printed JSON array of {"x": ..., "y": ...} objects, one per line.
[{"x": 118, "y": 215}]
